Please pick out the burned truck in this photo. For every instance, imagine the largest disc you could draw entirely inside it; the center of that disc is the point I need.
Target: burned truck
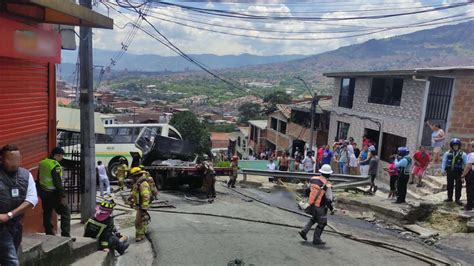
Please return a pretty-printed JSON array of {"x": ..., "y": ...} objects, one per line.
[{"x": 171, "y": 162}]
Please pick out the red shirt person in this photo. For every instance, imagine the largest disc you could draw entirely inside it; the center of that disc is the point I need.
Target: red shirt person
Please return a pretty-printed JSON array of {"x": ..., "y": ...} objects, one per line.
[{"x": 421, "y": 161}]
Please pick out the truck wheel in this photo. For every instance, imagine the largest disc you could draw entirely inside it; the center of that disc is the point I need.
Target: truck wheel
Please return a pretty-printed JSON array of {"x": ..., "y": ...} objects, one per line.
[
  {"x": 159, "y": 182},
  {"x": 112, "y": 167},
  {"x": 195, "y": 183}
]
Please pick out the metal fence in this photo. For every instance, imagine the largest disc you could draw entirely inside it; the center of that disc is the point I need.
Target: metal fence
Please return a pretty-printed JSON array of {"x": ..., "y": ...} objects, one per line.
[
  {"x": 71, "y": 169},
  {"x": 339, "y": 181}
]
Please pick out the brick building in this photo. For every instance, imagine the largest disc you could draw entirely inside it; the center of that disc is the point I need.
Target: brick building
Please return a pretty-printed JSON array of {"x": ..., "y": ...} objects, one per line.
[
  {"x": 257, "y": 141},
  {"x": 289, "y": 126},
  {"x": 391, "y": 107}
]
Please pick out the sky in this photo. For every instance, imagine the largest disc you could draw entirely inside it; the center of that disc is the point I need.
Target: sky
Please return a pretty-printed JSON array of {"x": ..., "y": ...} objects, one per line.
[{"x": 318, "y": 36}]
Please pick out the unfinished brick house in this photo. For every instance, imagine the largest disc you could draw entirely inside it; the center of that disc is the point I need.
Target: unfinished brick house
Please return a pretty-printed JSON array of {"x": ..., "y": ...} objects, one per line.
[{"x": 288, "y": 127}]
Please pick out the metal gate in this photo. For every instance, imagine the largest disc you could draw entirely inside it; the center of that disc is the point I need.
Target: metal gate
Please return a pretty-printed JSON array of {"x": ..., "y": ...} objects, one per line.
[
  {"x": 437, "y": 107},
  {"x": 71, "y": 168}
]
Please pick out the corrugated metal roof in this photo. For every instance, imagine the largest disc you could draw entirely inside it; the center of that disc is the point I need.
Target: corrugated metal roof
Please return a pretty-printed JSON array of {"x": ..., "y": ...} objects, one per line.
[
  {"x": 70, "y": 119},
  {"x": 284, "y": 109},
  {"x": 262, "y": 124},
  {"x": 244, "y": 130}
]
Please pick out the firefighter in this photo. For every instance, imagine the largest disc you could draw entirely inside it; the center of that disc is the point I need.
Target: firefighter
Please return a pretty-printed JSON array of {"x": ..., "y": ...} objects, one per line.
[
  {"x": 140, "y": 199},
  {"x": 209, "y": 177},
  {"x": 122, "y": 171},
  {"x": 403, "y": 164},
  {"x": 102, "y": 228},
  {"x": 320, "y": 200},
  {"x": 453, "y": 165},
  {"x": 52, "y": 193},
  {"x": 151, "y": 182},
  {"x": 235, "y": 167}
]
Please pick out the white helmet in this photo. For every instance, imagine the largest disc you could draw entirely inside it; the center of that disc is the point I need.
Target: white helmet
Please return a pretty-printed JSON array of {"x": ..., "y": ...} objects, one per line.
[{"x": 326, "y": 169}]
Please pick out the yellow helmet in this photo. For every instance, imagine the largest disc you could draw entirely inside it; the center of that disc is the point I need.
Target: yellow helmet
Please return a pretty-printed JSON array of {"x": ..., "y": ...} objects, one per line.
[
  {"x": 107, "y": 204},
  {"x": 136, "y": 171}
]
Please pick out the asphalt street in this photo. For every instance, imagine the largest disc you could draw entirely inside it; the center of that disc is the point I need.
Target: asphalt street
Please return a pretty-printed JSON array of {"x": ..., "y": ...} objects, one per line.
[{"x": 184, "y": 239}]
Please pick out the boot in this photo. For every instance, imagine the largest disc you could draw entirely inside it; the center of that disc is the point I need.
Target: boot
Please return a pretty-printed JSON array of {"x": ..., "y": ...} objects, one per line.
[
  {"x": 370, "y": 189},
  {"x": 303, "y": 235},
  {"x": 317, "y": 235}
]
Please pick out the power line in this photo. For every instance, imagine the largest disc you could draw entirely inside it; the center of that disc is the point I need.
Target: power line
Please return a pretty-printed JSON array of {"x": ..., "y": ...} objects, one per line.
[
  {"x": 175, "y": 49},
  {"x": 226, "y": 13},
  {"x": 364, "y": 33}
]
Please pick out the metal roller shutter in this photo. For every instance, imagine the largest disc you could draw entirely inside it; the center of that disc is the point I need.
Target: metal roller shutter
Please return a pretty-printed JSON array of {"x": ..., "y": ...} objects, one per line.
[{"x": 23, "y": 108}]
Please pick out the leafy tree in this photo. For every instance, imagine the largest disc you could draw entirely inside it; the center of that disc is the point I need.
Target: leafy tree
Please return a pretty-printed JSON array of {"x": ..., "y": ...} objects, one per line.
[
  {"x": 249, "y": 111},
  {"x": 274, "y": 98},
  {"x": 221, "y": 128},
  {"x": 192, "y": 130}
]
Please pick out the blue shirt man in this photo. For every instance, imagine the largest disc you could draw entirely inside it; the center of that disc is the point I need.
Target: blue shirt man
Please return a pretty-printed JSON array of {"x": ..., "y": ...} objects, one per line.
[{"x": 327, "y": 156}]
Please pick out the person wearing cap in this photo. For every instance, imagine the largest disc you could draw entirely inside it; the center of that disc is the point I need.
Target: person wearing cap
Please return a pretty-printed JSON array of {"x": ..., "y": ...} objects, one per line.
[
  {"x": 122, "y": 171},
  {"x": 320, "y": 200},
  {"x": 453, "y": 164},
  {"x": 102, "y": 228},
  {"x": 17, "y": 196},
  {"x": 52, "y": 193},
  {"x": 403, "y": 164},
  {"x": 140, "y": 199}
]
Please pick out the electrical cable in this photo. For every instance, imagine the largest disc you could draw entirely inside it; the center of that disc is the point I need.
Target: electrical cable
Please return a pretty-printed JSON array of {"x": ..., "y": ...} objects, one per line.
[
  {"x": 399, "y": 249},
  {"x": 175, "y": 49},
  {"x": 226, "y": 13}
]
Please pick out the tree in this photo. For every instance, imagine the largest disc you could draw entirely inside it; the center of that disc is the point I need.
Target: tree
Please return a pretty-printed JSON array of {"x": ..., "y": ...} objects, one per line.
[
  {"x": 192, "y": 130},
  {"x": 249, "y": 111},
  {"x": 274, "y": 98}
]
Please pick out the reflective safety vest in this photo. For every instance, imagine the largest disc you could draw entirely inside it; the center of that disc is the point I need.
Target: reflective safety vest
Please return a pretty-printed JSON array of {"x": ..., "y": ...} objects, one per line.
[
  {"x": 319, "y": 185},
  {"x": 46, "y": 166},
  {"x": 454, "y": 161},
  {"x": 405, "y": 171},
  {"x": 95, "y": 229}
]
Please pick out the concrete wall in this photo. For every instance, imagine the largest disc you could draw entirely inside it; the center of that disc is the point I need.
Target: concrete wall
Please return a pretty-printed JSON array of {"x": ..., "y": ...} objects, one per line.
[{"x": 403, "y": 120}]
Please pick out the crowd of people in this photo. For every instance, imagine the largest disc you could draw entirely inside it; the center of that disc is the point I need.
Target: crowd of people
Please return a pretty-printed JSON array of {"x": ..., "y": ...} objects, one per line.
[{"x": 403, "y": 169}]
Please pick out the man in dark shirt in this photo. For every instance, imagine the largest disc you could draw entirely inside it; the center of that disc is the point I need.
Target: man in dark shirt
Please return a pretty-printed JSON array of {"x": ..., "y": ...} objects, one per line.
[{"x": 52, "y": 193}]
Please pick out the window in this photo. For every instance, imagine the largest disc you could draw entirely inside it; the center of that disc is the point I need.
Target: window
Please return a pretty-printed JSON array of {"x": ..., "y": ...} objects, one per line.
[
  {"x": 244, "y": 144},
  {"x": 282, "y": 127},
  {"x": 386, "y": 91},
  {"x": 238, "y": 141},
  {"x": 390, "y": 144},
  {"x": 274, "y": 123},
  {"x": 346, "y": 93},
  {"x": 123, "y": 135},
  {"x": 342, "y": 130}
]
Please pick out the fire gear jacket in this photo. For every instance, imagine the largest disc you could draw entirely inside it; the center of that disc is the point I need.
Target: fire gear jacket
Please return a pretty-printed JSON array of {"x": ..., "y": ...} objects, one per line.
[{"x": 320, "y": 192}]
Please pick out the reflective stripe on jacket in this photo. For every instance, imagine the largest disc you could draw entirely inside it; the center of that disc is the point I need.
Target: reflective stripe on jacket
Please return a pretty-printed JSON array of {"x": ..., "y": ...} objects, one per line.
[
  {"x": 319, "y": 185},
  {"x": 46, "y": 166}
]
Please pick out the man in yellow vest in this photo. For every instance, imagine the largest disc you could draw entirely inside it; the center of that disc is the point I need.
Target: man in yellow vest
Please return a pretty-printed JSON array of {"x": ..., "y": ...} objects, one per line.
[
  {"x": 52, "y": 193},
  {"x": 140, "y": 199},
  {"x": 122, "y": 171},
  {"x": 320, "y": 199}
]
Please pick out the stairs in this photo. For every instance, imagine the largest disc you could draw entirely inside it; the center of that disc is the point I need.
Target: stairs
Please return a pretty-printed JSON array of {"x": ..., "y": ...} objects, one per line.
[{"x": 40, "y": 249}]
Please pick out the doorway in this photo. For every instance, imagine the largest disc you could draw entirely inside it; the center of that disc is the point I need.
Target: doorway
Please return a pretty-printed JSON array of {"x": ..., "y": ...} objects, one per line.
[{"x": 437, "y": 106}]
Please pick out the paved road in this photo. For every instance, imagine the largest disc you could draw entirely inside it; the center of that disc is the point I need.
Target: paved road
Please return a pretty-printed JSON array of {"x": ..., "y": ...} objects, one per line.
[{"x": 201, "y": 240}]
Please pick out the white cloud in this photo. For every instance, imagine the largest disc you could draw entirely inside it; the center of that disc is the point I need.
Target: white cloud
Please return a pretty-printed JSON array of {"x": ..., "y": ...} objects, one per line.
[{"x": 195, "y": 41}]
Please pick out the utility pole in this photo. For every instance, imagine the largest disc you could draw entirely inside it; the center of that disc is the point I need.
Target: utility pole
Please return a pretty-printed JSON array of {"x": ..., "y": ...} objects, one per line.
[
  {"x": 314, "y": 104},
  {"x": 86, "y": 103}
]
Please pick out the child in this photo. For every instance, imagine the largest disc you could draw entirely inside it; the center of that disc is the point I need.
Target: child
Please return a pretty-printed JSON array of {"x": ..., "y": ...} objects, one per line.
[
  {"x": 102, "y": 228},
  {"x": 393, "y": 173}
]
